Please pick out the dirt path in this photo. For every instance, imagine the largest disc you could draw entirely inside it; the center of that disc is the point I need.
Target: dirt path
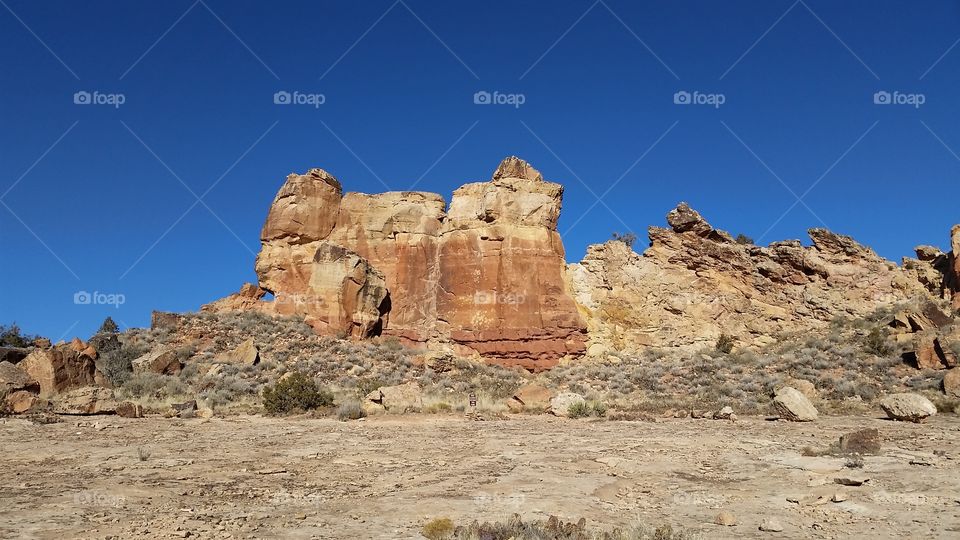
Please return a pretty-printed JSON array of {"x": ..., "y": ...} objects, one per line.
[{"x": 252, "y": 477}]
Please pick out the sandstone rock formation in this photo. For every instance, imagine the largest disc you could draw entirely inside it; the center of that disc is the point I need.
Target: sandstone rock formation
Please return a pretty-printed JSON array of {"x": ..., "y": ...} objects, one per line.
[
  {"x": 533, "y": 397},
  {"x": 561, "y": 403},
  {"x": 162, "y": 361},
  {"x": 794, "y": 406},
  {"x": 407, "y": 397},
  {"x": 908, "y": 407},
  {"x": 246, "y": 354},
  {"x": 487, "y": 275},
  {"x": 62, "y": 368},
  {"x": 695, "y": 283},
  {"x": 13, "y": 378},
  {"x": 954, "y": 277}
]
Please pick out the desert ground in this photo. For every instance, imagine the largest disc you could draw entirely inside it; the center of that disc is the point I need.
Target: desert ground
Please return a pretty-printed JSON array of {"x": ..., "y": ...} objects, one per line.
[{"x": 384, "y": 477}]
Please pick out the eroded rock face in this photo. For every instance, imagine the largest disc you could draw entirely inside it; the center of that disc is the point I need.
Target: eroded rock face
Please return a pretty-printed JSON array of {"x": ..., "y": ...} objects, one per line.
[
  {"x": 61, "y": 368},
  {"x": 488, "y": 275},
  {"x": 954, "y": 279},
  {"x": 693, "y": 284}
]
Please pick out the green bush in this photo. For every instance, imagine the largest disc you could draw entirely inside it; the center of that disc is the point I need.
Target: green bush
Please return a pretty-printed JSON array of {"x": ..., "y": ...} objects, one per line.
[
  {"x": 108, "y": 327},
  {"x": 628, "y": 238},
  {"x": 876, "y": 343},
  {"x": 296, "y": 392},
  {"x": 10, "y": 336},
  {"x": 744, "y": 240}
]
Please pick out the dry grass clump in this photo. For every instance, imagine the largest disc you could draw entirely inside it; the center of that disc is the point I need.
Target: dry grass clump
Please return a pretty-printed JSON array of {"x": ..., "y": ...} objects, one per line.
[{"x": 552, "y": 529}]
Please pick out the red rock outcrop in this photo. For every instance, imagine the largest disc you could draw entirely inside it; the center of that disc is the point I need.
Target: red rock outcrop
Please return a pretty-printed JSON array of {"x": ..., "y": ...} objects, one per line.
[
  {"x": 487, "y": 275},
  {"x": 954, "y": 280},
  {"x": 62, "y": 368}
]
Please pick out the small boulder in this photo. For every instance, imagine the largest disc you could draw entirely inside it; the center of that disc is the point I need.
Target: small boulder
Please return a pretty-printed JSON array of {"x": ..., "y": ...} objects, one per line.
[
  {"x": 246, "y": 354},
  {"x": 530, "y": 397},
  {"x": 865, "y": 441},
  {"x": 792, "y": 405},
  {"x": 725, "y": 413},
  {"x": 21, "y": 401},
  {"x": 771, "y": 525},
  {"x": 805, "y": 387},
  {"x": 129, "y": 409},
  {"x": 726, "y": 519},
  {"x": 405, "y": 397},
  {"x": 560, "y": 404},
  {"x": 163, "y": 361},
  {"x": 951, "y": 383},
  {"x": 908, "y": 407}
]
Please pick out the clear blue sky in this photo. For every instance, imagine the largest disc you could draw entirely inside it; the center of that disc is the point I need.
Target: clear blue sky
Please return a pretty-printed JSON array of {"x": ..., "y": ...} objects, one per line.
[{"x": 98, "y": 197}]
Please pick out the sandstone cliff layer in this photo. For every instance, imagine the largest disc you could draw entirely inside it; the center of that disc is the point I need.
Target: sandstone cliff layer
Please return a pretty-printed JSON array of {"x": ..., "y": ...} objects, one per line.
[{"x": 487, "y": 274}]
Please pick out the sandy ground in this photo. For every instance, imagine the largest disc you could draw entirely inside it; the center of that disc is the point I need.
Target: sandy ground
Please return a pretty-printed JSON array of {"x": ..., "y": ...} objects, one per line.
[{"x": 253, "y": 477}]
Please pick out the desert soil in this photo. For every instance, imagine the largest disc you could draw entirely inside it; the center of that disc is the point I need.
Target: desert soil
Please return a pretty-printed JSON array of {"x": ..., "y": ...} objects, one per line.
[{"x": 253, "y": 477}]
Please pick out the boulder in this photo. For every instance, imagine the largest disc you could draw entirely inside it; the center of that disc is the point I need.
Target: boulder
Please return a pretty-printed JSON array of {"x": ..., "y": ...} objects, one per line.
[
  {"x": 951, "y": 383},
  {"x": 246, "y": 354},
  {"x": 930, "y": 353},
  {"x": 85, "y": 401},
  {"x": 726, "y": 413},
  {"x": 530, "y": 397},
  {"x": 21, "y": 401},
  {"x": 13, "y": 378},
  {"x": 792, "y": 405},
  {"x": 60, "y": 369},
  {"x": 163, "y": 361},
  {"x": 560, "y": 404},
  {"x": 407, "y": 397},
  {"x": 805, "y": 387},
  {"x": 865, "y": 441},
  {"x": 128, "y": 409},
  {"x": 908, "y": 407}
]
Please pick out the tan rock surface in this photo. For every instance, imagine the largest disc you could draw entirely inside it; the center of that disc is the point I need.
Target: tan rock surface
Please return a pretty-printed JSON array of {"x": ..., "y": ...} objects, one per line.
[
  {"x": 693, "y": 284},
  {"x": 60, "y": 369},
  {"x": 162, "y": 361}
]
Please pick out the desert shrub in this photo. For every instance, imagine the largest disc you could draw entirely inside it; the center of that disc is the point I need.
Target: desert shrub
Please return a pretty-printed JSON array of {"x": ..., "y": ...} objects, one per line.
[
  {"x": 350, "y": 410},
  {"x": 296, "y": 392},
  {"x": 854, "y": 462},
  {"x": 584, "y": 409},
  {"x": 117, "y": 364},
  {"x": 627, "y": 238},
  {"x": 108, "y": 327},
  {"x": 154, "y": 385},
  {"x": 11, "y": 336},
  {"x": 5, "y": 410},
  {"x": 438, "y": 529},
  {"x": 725, "y": 344},
  {"x": 744, "y": 239},
  {"x": 551, "y": 529},
  {"x": 875, "y": 342}
]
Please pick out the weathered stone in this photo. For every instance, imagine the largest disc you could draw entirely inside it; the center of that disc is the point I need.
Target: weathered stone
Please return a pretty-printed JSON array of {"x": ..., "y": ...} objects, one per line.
[
  {"x": 865, "y": 441},
  {"x": 805, "y": 387},
  {"x": 407, "y": 397},
  {"x": 726, "y": 519},
  {"x": 771, "y": 525},
  {"x": 930, "y": 353},
  {"x": 530, "y": 397},
  {"x": 163, "y": 361},
  {"x": 14, "y": 378},
  {"x": 21, "y": 401},
  {"x": 86, "y": 400},
  {"x": 792, "y": 405},
  {"x": 60, "y": 368},
  {"x": 908, "y": 407},
  {"x": 560, "y": 404},
  {"x": 246, "y": 354},
  {"x": 128, "y": 409},
  {"x": 952, "y": 282},
  {"x": 951, "y": 383}
]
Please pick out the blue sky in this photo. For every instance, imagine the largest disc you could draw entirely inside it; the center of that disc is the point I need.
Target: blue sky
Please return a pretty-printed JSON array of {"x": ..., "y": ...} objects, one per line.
[{"x": 104, "y": 197}]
